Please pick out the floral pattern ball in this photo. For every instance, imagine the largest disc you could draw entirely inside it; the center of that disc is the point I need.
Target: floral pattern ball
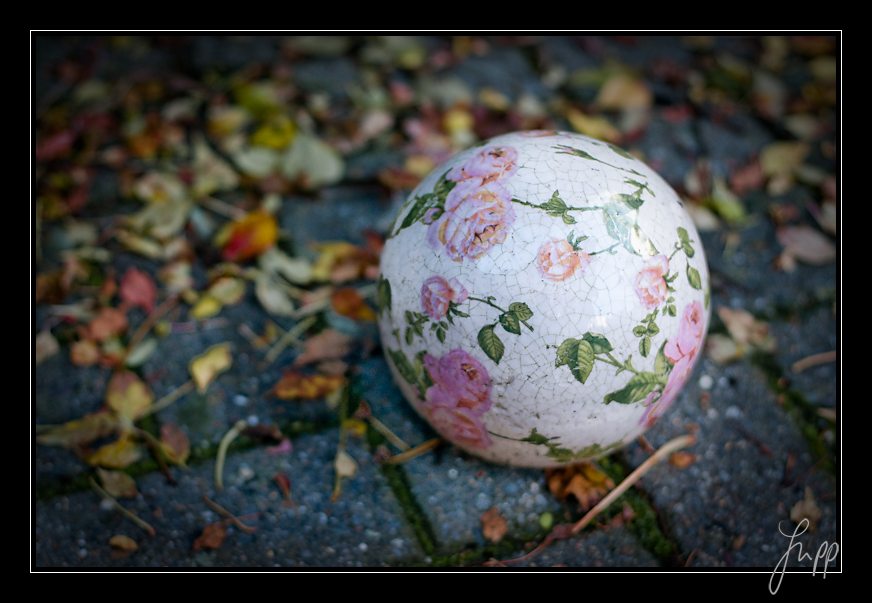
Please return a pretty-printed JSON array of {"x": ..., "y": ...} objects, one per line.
[{"x": 544, "y": 298}]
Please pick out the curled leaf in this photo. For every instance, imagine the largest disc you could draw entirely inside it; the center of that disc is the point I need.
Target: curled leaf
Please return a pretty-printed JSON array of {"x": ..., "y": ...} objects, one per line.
[{"x": 208, "y": 365}]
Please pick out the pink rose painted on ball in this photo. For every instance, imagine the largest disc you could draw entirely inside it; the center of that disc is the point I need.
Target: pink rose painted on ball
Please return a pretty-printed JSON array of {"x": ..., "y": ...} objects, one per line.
[
  {"x": 437, "y": 294},
  {"x": 651, "y": 282},
  {"x": 487, "y": 165},
  {"x": 690, "y": 334},
  {"x": 558, "y": 260},
  {"x": 460, "y": 425},
  {"x": 476, "y": 218},
  {"x": 459, "y": 377}
]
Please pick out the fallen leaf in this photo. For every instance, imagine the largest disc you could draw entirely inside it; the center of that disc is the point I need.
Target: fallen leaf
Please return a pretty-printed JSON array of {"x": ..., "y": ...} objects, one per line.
[
  {"x": 806, "y": 509},
  {"x": 783, "y": 158},
  {"x": 725, "y": 203},
  {"x": 595, "y": 126},
  {"x": 747, "y": 178},
  {"x": 347, "y": 301},
  {"x": 296, "y": 270},
  {"x": 272, "y": 296},
  {"x": 108, "y": 323},
  {"x": 212, "y": 537},
  {"x": 584, "y": 481},
  {"x": 721, "y": 348},
  {"x": 682, "y": 459},
  {"x": 45, "y": 346},
  {"x": 120, "y": 542},
  {"x": 344, "y": 464},
  {"x": 745, "y": 329},
  {"x": 311, "y": 162},
  {"x": 175, "y": 442},
  {"x": 296, "y": 386},
  {"x": 493, "y": 525},
  {"x": 329, "y": 255},
  {"x": 141, "y": 352},
  {"x": 128, "y": 396},
  {"x": 159, "y": 187},
  {"x": 80, "y": 431},
  {"x": 227, "y": 290},
  {"x": 326, "y": 345},
  {"x": 248, "y": 236},
  {"x": 117, "y": 483},
  {"x": 117, "y": 455},
  {"x": 211, "y": 173},
  {"x": 206, "y": 307},
  {"x": 208, "y": 365},
  {"x": 138, "y": 289},
  {"x": 276, "y": 133},
  {"x": 806, "y": 244},
  {"x": 176, "y": 276},
  {"x": 624, "y": 91},
  {"x": 284, "y": 484}
]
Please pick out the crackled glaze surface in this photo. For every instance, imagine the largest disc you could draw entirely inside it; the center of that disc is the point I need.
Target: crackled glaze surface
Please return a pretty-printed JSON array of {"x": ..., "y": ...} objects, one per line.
[{"x": 544, "y": 297}]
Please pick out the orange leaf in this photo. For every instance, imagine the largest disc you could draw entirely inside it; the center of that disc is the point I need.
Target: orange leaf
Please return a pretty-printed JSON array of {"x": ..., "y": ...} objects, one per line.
[
  {"x": 138, "y": 289},
  {"x": 212, "y": 537},
  {"x": 682, "y": 459},
  {"x": 250, "y": 236},
  {"x": 348, "y": 302},
  {"x": 584, "y": 482},
  {"x": 175, "y": 443},
  {"x": 296, "y": 386},
  {"x": 493, "y": 525},
  {"x": 326, "y": 345},
  {"x": 108, "y": 323}
]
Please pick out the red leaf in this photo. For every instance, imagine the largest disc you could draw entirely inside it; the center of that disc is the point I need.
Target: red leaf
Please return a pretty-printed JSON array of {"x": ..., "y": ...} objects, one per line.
[{"x": 138, "y": 289}]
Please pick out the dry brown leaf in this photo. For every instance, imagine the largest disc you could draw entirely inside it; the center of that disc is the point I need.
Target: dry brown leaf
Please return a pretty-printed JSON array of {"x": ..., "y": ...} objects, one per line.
[
  {"x": 120, "y": 542},
  {"x": 682, "y": 459},
  {"x": 806, "y": 509},
  {"x": 117, "y": 483},
  {"x": 624, "y": 91},
  {"x": 117, "y": 455},
  {"x": 84, "y": 353},
  {"x": 296, "y": 386},
  {"x": 108, "y": 323},
  {"x": 45, "y": 346},
  {"x": 212, "y": 537},
  {"x": 584, "y": 481},
  {"x": 745, "y": 329},
  {"x": 80, "y": 431},
  {"x": 493, "y": 525},
  {"x": 721, "y": 348},
  {"x": 175, "y": 442},
  {"x": 326, "y": 345},
  {"x": 128, "y": 396},
  {"x": 208, "y": 365},
  {"x": 806, "y": 245},
  {"x": 347, "y": 301}
]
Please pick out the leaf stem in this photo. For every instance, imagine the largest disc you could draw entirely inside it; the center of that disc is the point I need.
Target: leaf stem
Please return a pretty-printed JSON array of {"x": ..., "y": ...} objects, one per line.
[
  {"x": 222, "y": 452},
  {"x": 606, "y": 250},
  {"x": 122, "y": 509},
  {"x": 413, "y": 452},
  {"x": 609, "y": 359}
]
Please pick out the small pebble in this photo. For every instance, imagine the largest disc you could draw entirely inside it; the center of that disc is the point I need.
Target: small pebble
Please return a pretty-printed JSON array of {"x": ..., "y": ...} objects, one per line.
[
  {"x": 240, "y": 400},
  {"x": 706, "y": 382},
  {"x": 452, "y": 473}
]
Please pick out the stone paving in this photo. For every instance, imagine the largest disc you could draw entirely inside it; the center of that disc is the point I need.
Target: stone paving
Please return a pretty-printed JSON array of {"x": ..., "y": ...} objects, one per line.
[{"x": 760, "y": 443}]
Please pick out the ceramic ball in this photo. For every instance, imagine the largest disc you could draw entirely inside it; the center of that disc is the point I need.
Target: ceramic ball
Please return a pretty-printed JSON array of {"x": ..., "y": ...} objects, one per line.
[{"x": 543, "y": 298}]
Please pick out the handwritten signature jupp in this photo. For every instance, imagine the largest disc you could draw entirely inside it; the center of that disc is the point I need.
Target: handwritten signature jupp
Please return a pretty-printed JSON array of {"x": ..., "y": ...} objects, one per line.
[{"x": 826, "y": 551}]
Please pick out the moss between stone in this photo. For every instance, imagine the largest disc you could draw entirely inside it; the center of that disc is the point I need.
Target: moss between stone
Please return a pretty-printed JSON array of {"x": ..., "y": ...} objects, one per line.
[{"x": 800, "y": 410}]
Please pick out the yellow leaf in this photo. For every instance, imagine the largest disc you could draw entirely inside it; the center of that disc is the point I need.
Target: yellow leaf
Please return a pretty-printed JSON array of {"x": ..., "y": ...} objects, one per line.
[
  {"x": 205, "y": 367},
  {"x": 623, "y": 91},
  {"x": 128, "y": 396},
  {"x": 355, "y": 427},
  {"x": 117, "y": 483},
  {"x": 297, "y": 386},
  {"x": 206, "y": 307},
  {"x": 594, "y": 126},
  {"x": 80, "y": 431},
  {"x": 123, "y": 543},
  {"x": 175, "y": 443},
  {"x": 117, "y": 455},
  {"x": 227, "y": 290},
  {"x": 277, "y": 133},
  {"x": 783, "y": 158},
  {"x": 329, "y": 255}
]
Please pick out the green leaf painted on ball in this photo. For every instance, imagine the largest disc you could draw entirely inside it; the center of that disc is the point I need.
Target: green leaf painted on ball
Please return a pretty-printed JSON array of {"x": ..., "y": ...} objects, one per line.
[
  {"x": 645, "y": 346},
  {"x": 683, "y": 236},
  {"x": 510, "y": 322},
  {"x": 598, "y": 342},
  {"x": 491, "y": 343},
  {"x": 633, "y": 201},
  {"x": 639, "y": 386},
  {"x": 661, "y": 364},
  {"x": 383, "y": 294},
  {"x": 653, "y": 329},
  {"x": 535, "y": 438},
  {"x": 693, "y": 277},
  {"x": 521, "y": 310},
  {"x": 565, "y": 351},
  {"x": 403, "y": 367},
  {"x": 578, "y": 355},
  {"x": 639, "y": 330}
]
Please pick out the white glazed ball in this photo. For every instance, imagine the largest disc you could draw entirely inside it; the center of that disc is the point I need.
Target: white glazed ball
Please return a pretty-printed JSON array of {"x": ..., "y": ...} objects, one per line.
[{"x": 544, "y": 298}]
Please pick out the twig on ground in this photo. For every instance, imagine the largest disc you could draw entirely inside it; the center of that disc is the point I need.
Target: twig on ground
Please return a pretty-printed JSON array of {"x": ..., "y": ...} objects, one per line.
[
  {"x": 411, "y": 453},
  {"x": 813, "y": 360},
  {"x": 149, "y": 322},
  {"x": 222, "y": 452},
  {"x": 566, "y": 530},
  {"x": 147, "y": 527},
  {"x": 171, "y": 397},
  {"x": 290, "y": 336},
  {"x": 389, "y": 435},
  {"x": 228, "y": 515}
]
